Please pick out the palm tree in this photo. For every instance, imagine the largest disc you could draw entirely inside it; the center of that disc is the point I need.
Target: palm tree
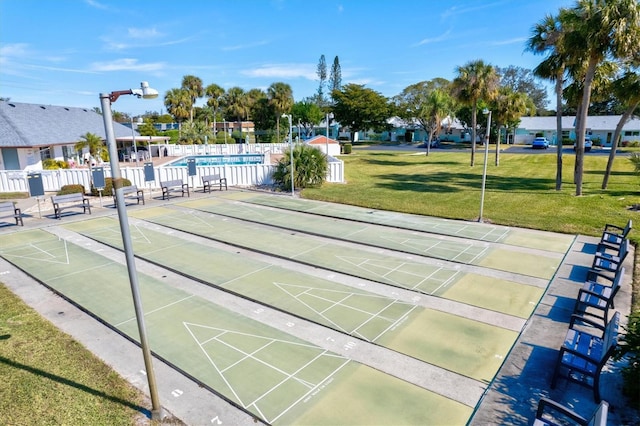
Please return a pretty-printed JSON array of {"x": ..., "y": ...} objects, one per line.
[
  {"x": 177, "y": 102},
  {"x": 281, "y": 98},
  {"x": 548, "y": 38},
  {"x": 627, "y": 90},
  {"x": 193, "y": 86},
  {"x": 214, "y": 94},
  {"x": 93, "y": 142},
  {"x": 601, "y": 29},
  {"x": 438, "y": 105},
  {"x": 475, "y": 81},
  {"x": 509, "y": 107}
]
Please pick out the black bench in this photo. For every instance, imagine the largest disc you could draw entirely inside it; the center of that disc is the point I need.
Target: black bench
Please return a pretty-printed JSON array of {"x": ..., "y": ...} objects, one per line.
[
  {"x": 597, "y": 294},
  {"x": 209, "y": 180},
  {"x": 551, "y": 413},
  {"x": 613, "y": 235},
  {"x": 9, "y": 209},
  {"x": 611, "y": 262},
  {"x": 67, "y": 201},
  {"x": 584, "y": 353},
  {"x": 130, "y": 193},
  {"x": 174, "y": 186}
]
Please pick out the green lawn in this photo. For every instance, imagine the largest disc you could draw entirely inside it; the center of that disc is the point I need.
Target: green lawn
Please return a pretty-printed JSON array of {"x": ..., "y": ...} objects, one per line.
[{"x": 519, "y": 192}]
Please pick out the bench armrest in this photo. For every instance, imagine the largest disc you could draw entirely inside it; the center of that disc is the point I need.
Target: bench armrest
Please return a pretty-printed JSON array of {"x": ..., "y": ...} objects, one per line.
[{"x": 546, "y": 404}]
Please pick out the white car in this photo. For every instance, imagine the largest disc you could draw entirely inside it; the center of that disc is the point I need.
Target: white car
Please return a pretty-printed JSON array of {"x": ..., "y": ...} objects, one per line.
[{"x": 587, "y": 144}]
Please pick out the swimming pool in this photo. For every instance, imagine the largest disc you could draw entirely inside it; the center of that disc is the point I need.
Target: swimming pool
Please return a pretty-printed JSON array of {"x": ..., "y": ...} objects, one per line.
[{"x": 220, "y": 160}]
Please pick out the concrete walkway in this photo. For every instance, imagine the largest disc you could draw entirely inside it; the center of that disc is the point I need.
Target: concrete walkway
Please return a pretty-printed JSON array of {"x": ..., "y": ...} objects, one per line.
[{"x": 511, "y": 398}]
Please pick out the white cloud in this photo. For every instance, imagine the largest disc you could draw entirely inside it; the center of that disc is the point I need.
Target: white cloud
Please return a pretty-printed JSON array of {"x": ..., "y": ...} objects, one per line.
[
  {"x": 509, "y": 41},
  {"x": 441, "y": 37},
  {"x": 96, "y": 4},
  {"x": 14, "y": 50},
  {"x": 143, "y": 33},
  {"x": 126, "y": 64},
  {"x": 246, "y": 46},
  {"x": 283, "y": 71}
]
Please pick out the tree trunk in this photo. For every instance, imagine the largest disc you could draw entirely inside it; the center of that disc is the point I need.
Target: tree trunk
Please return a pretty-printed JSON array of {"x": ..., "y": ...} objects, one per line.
[
  {"x": 614, "y": 145},
  {"x": 498, "y": 146},
  {"x": 582, "y": 123},
  {"x": 558, "y": 89},
  {"x": 474, "y": 112},
  {"x": 278, "y": 128}
]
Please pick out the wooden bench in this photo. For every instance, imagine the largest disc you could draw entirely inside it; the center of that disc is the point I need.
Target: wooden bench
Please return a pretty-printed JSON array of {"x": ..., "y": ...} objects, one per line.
[
  {"x": 596, "y": 295},
  {"x": 614, "y": 236},
  {"x": 209, "y": 180},
  {"x": 67, "y": 201},
  {"x": 130, "y": 193},
  {"x": 551, "y": 413},
  {"x": 174, "y": 186},
  {"x": 9, "y": 210},
  {"x": 584, "y": 353}
]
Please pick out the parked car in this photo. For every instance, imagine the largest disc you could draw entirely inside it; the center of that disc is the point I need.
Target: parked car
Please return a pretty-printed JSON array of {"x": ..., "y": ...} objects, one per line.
[
  {"x": 540, "y": 143},
  {"x": 588, "y": 143}
]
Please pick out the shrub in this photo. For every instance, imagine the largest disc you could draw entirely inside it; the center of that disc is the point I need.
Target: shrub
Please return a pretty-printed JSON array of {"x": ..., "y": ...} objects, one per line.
[
  {"x": 630, "y": 346},
  {"x": 310, "y": 168},
  {"x": 51, "y": 164},
  {"x": 71, "y": 189},
  {"x": 346, "y": 148},
  {"x": 108, "y": 184}
]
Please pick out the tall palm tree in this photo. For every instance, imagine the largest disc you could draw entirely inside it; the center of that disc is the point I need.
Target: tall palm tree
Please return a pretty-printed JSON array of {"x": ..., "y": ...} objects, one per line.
[
  {"x": 93, "y": 143},
  {"x": 508, "y": 108},
  {"x": 236, "y": 104},
  {"x": 548, "y": 37},
  {"x": 193, "y": 86},
  {"x": 214, "y": 94},
  {"x": 281, "y": 98},
  {"x": 604, "y": 29},
  {"x": 475, "y": 81},
  {"x": 178, "y": 102},
  {"x": 627, "y": 91},
  {"x": 438, "y": 105}
]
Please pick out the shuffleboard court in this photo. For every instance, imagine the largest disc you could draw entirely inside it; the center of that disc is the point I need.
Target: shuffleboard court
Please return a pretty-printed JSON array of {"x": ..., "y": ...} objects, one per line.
[
  {"x": 538, "y": 263},
  {"x": 473, "y": 230},
  {"x": 470, "y": 348},
  {"x": 488, "y": 292},
  {"x": 279, "y": 378}
]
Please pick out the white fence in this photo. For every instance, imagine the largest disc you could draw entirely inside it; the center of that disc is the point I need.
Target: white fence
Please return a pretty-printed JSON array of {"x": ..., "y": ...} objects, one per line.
[{"x": 237, "y": 175}]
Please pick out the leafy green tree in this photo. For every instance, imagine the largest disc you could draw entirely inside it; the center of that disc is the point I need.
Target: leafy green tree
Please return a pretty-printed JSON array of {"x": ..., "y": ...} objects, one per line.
[
  {"x": 235, "y": 104},
  {"x": 360, "y": 108},
  {"x": 475, "y": 81},
  {"x": 264, "y": 119},
  {"x": 310, "y": 168},
  {"x": 335, "y": 78},
  {"x": 94, "y": 144},
  {"x": 281, "y": 98},
  {"x": 178, "y": 104},
  {"x": 507, "y": 109},
  {"x": 214, "y": 95},
  {"x": 193, "y": 86},
  {"x": 525, "y": 81},
  {"x": 601, "y": 29},
  {"x": 548, "y": 37},
  {"x": 308, "y": 114},
  {"x": 321, "y": 72}
]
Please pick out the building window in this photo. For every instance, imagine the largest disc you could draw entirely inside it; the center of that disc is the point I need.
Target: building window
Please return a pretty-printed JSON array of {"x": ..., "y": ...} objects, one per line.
[{"x": 45, "y": 153}]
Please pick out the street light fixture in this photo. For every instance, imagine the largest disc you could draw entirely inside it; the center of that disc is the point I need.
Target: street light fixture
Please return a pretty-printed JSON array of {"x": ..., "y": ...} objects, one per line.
[
  {"x": 106, "y": 99},
  {"x": 486, "y": 155},
  {"x": 290, "y": 147}
]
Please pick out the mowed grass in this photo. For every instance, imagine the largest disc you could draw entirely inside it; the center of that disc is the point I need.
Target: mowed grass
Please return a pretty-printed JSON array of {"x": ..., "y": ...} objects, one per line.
[
  {"x": 47, "y": 378},
  {"x": 519, "y": 192}
]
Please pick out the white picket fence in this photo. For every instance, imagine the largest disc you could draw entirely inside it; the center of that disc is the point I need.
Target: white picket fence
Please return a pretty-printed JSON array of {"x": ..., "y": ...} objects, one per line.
[{"x": 245, "y": 175}]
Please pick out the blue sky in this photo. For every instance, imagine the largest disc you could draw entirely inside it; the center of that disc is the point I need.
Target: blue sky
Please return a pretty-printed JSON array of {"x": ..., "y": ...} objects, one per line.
[{"x": 66, "y": 52}]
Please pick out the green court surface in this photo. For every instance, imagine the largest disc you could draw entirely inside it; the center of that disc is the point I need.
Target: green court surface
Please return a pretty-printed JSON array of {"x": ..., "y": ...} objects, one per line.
[
  {"x": 391, "y": 323},
  {"x": 298, "y": 382},
  {"x": 536, "y": 264},
  {"x": 473, "y": 230},
  {"x": 493, "y": 293}
]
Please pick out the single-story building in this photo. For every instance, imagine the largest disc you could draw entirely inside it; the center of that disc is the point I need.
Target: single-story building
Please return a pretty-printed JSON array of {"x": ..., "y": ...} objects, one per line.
[
  {"x": 31, "y": 133},
  {"x": 326, "y": 145},
  {"x": 599, "y": 128}
]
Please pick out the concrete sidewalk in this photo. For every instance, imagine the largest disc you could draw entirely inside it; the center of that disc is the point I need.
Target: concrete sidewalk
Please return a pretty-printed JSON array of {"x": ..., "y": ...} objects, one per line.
[{"x": 511, "y": 398}]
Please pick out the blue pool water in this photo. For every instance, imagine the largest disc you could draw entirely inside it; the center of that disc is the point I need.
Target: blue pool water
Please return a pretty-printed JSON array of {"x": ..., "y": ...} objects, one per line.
[{"x": 220, "y": 160}]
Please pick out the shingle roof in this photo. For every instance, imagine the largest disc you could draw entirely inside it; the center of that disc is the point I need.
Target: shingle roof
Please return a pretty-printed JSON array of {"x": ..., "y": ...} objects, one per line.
[{"x": 32, "y": 125}]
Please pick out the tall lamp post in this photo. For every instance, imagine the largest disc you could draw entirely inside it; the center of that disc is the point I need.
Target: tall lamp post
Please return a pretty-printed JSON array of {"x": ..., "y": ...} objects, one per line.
[
  {"x": 486, "y": 155},
  {"x": 290, "y": 147},
  {"x": 133, "y": 138},
  {"x": 327, "y": 118},
  {"x": 106, "y": 99}
]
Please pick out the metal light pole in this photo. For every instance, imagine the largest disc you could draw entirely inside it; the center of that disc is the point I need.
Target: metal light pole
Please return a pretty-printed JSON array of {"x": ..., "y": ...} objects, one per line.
[
  {"x": 327, "y": 118},
  {"x": 290, "y": 148},
  {"x": 486, "y": 155},
  {"x": 106, "y": 100}
]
